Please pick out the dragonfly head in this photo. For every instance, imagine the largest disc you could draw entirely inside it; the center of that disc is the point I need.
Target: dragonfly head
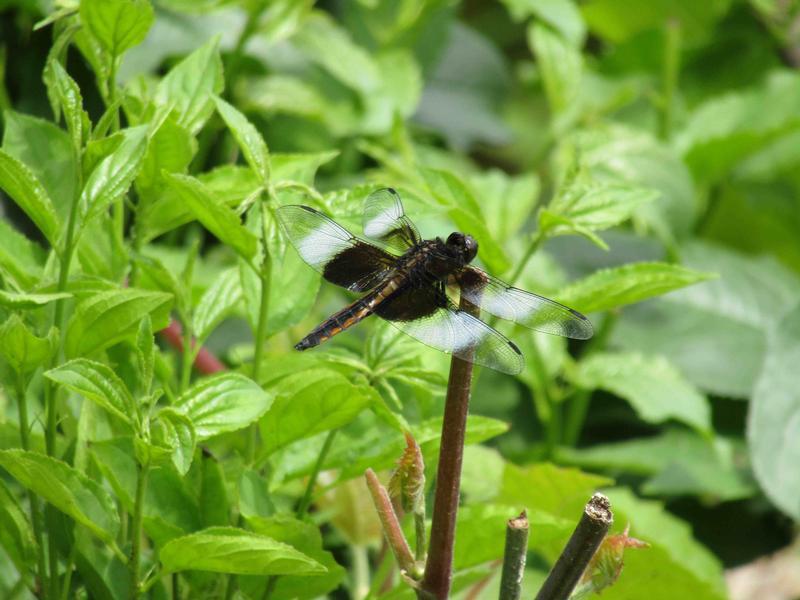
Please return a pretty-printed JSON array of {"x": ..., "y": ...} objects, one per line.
[{"x": 462, "y": 246}]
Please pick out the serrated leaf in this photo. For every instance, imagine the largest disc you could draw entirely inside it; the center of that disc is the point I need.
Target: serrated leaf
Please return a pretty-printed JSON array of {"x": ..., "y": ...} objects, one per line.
[
  {"x": 145, "y": 353},
  {"x": 176, "y": 431},
  {"x": 307, "y": 404},
  {"x": 109, "y": 317},
  {"x": 64, "y": 88},
  {"x": 22, "y": 349},
  {"x": 96, "y": 382},
  {"x": 222, "y": 403},
  {"x": 596, "y": 206},
  {"x": 16, "y": 533},
  {"x": 113, "y": 175},
  {"x": 618, "y": 286},
  {"x": 249, "y": 140},
  {"x": 171, "y": 149},
  {"x": 220, "y": 220},
  {"x": 560, "y": 63},
  {"x": 236, "y": 551},
  {"x": 47, "y": 151},
  {"x": 27, "y": 192},
  {"x": 67, "y": 489},
  {"x": 190, "y": 85},
  {"x": 300, "y": 167},
  {"x": 117, "y": 24},
  {"x": 773, "y": 423},
  {"x": 17, "y": 300},
  {"x": 654, "y": 388},
  {"x": 218, "y": 301}
]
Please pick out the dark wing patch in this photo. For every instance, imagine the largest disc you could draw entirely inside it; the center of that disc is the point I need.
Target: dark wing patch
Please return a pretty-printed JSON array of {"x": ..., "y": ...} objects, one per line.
[
  {"x": 527, "y": 309},
  {"x": 427, "y": 315},
  {"x": 341, "y": 257},
  {"x": 385, "y": 220}
]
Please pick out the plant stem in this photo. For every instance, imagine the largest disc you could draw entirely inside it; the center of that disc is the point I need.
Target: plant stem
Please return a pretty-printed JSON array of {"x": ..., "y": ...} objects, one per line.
[
  {"x": 669, "y": 75},
  {"x": 305, "y": 501},
  {"x": 360, "y": 571},
  {"x": 533, "y": 246},
  {"x": 439, "y": 566},
  {"x": 188, "y": 355},
  {"x": 579, "y": 405},
  {"x": 136, "y": 530},
  {"x": 587, "y": 537},
  {"x": 514, "y": 557},
  {"x": 419, "y": 533},
  {"x": 68, "y": 573},
  {"x": 24, "y": 434}
]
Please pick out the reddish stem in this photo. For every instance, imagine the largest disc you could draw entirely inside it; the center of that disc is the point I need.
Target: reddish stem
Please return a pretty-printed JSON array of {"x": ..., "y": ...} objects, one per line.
[
  {"x": 390, "y": 524},
  {"x": 205, "y": 362}
]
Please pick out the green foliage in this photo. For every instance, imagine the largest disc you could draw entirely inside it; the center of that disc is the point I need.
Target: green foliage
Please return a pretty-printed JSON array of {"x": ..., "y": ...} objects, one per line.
[{"x": 640, "y": 166}]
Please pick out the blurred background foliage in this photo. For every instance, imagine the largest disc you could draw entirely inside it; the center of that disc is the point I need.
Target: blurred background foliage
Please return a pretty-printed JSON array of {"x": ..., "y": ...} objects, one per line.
[{"x": 682, "y": 116}]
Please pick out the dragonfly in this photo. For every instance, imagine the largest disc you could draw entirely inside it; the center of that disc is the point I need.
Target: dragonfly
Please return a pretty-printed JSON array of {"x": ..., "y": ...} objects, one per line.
[{"x": 412, "y": 283}]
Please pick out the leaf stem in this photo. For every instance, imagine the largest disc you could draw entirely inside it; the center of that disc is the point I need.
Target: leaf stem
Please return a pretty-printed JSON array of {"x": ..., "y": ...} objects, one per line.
[
  {"x": 514, "y": 557},
  {"x": 136, "y": 530},
  {"x": 669, "y": 75},
  {"x": 587, "y": 537},
  {"x": 305, "y": 501},
  {"x": 533, "y": 246},
  {"x": 439, "y": 565},
  {"x": 33, "y": 499},
  {"x": 419, "y": 533}
]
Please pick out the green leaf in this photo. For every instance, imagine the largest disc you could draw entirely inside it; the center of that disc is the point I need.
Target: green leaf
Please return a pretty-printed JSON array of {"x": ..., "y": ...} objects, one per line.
[
  {"x": 615, "y": 21},
  {"x": 112, "y": 177},
  {"x": 117, "y": 24},
  {"x": 21, "y": 349},
  {"x": 222, "y": 403},
  {"x": 145, "y": 353},
  {"x": 16, "y": 534},
  {"x": 619, "y": 154},
  {"x": 507, "y": 201},
  {"x": 653, "y": 387},
  {"x": 21, "y": 260},
  {"x": 618, "y": 286},
  {"x": 236, "y": 551},
  {"x": 724, "y": 130},
  {"x": 323, "y": 41},
  {"x": 96, "y": 382},
  {"x": 16, "y": 301},
  {"x": 214, "y": 506},
  {"x": 171, "y": 149},
  {"x": 307, "y": 538},
  {"x": 561, "y": 15},
  {"x": 307, "y": 404},
  {"x": 678, "y": 462},
  {"x": 247, "y": 137},
  {"x": 191, "y": 84},
  {"x": 594, "y": 207},
  {"x": 560, "y": 63},
  {"x": 65, "y": 90},
  {"x": 24, "y": 189},
  {"x": 218, "y": 219},
  {"x": 112, "y": 316},
  {"x": 773, "y": 423},
  {"x": 300, "y": 167},
  {"x": 47, "y": 151},
  {"x": 674, "y": 566},
  {"x": 176, "y": 431},
  {"x": 65, "y": 488},
  {"x": 219, "y": 301}
]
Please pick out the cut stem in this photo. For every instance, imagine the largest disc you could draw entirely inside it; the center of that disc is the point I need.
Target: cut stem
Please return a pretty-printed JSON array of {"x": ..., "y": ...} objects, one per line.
[
  {"x": 439, "y": 565},
  {"x": 587, "y": 537},
  {"x": 514, "y": 557}
]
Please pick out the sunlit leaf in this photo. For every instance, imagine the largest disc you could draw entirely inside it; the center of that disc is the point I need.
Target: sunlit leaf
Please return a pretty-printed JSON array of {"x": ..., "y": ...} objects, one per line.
[{"x": 117, "y": 24}]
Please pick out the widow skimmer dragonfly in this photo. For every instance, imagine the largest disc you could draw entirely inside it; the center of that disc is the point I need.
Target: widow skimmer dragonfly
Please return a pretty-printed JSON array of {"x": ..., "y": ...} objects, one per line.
[{"x": 406, "y": 281}]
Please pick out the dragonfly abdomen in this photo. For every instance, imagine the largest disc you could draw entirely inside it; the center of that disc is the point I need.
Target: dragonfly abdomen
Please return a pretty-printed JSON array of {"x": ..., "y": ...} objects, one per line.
[{"x": 347, "y": 317}]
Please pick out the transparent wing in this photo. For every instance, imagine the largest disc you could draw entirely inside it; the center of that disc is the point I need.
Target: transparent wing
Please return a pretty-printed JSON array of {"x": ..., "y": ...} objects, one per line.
[
  {"x": 427, "y": 315},
  {"x": 527, "y": 309},
  {"x": 385, "y": 220},
  {"x": 341, "y": 257}
]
